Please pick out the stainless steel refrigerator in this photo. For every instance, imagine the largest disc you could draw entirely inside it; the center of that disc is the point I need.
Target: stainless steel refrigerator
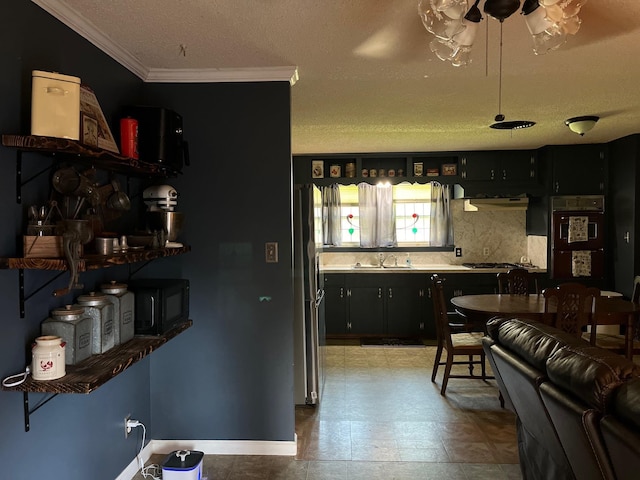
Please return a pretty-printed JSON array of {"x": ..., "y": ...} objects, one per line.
[{"x": 309, "y": 330}]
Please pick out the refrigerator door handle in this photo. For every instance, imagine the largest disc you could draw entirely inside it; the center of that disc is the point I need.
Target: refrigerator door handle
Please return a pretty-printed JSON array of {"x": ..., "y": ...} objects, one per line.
[{"x": 319, "y": 297}]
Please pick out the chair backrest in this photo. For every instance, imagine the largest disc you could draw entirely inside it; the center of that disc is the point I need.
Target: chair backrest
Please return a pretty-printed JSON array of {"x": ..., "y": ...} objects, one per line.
[
  {"x": 443, "y": 332},
  {"x": 573, "y": 306},
  {"x": 635, "y": 296},
  {"x": 517, "y": 281}
]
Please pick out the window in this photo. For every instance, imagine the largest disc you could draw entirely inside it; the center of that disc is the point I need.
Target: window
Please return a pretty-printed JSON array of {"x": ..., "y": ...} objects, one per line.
[{"x": 412, "y": 205}]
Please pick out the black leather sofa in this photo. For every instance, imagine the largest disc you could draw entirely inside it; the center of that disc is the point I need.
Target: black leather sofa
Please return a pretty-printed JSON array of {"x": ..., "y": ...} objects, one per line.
[{"x": 577, "y": 406}]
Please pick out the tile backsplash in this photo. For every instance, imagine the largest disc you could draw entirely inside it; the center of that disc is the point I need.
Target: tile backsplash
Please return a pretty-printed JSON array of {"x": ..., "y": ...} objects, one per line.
[{"x": 483, "y": 236}]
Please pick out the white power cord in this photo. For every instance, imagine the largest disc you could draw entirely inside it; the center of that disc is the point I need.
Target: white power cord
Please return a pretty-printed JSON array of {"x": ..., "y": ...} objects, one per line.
[
  {"x": 7, "y": 382},
  {"x": 150, "y": 471}
]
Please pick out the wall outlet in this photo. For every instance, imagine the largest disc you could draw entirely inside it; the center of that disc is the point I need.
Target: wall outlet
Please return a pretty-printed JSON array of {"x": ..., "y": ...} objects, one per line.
[
  {"x": 127, "y": 429},
  {"x": 485, "y": 251},
  {"x": 458, "y": 251},
  {"x": 271, "y": 252}
]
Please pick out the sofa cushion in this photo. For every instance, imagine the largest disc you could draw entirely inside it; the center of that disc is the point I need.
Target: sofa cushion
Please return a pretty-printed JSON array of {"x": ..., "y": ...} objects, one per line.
[
  {"x": 626, "y": 403},
  {"x": 533, "y": 341},
  {"x": 590, "y": 373}
]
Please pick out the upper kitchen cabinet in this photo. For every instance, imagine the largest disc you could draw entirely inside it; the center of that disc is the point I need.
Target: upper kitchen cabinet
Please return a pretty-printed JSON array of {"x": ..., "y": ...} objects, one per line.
[
  {"x": 499, "y": 173},
  {"x": 514, "y": 166},
  {"x": 577, "y": 169}
]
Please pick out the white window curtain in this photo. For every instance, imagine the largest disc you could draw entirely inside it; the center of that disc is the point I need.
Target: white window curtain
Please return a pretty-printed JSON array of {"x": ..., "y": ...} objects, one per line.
[
  {"x": 441, "y": 231},
  {"x": 331, "y": 215},
  {"x": 377, "y": 216}
]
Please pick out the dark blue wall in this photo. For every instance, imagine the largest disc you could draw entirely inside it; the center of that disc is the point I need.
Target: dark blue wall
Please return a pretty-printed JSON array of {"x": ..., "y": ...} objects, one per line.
[
  {"x": 230, "y": 375},
  {"x": 234, "y": 378}
]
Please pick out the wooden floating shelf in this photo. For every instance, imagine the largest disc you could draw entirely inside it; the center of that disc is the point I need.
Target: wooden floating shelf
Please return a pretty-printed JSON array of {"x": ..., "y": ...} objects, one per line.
[
  {"x": 88, "y": 375},
  {"x": 95, "y": 156},
  {"x": 92, "y": 262}
]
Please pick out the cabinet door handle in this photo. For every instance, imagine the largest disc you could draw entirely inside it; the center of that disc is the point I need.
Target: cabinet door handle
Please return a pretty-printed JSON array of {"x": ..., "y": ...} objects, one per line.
[
  {"x": 349, "y": 326},
  {"x": 532, "y": 174},
  {"x": 348, "y": 292},
  {"x": 390, "y": 293},
  {"x": 557, "y": 187},
  {"x": 429, "y": 293},
  {"x": 493, "y": 174},
  {"x": 421, "y": 325},
  {"x": 504, "y": 174},
  {"x": 627, "y": 237},
  {"x": 341, "y": 292},
  {"x": 421, "y": 293},
  {"x": 379, "y": 292}
]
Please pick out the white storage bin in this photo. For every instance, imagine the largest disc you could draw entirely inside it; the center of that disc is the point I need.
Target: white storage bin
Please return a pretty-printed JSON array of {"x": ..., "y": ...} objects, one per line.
[
  {"x": 55, "y": 105},
  {"x": 183, "y": 465}
]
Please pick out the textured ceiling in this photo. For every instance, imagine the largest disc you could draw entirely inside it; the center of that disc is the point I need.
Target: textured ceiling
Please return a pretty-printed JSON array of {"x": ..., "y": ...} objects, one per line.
[{"x": 367, "y": 80}]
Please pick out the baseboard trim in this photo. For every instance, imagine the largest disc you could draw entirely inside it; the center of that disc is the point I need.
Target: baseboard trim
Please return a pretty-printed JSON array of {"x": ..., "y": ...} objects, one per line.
[
  {"x": 130, "y": 471},
  {"x": 210, "y": 447}
]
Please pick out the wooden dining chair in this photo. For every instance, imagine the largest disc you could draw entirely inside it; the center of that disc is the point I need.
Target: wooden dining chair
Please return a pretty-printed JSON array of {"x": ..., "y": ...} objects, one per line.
[
  {"x": 569, "y": 306},
  {"x": 457, "y": 338},
  {"x": 615, "y": 311},
  {"x": 517, "y": 281}
]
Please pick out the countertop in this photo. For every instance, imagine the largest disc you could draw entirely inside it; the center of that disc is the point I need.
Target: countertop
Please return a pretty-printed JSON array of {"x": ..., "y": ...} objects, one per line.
[{"x": 444, "y": 268}]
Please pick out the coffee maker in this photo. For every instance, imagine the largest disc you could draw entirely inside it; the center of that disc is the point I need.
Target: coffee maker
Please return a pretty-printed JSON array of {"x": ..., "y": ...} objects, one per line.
[{"x": 161, "y": 202}]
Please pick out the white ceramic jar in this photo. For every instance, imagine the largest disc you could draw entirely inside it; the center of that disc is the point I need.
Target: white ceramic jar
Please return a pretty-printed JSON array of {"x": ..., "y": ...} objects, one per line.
[{"x": 48, "y": 358}]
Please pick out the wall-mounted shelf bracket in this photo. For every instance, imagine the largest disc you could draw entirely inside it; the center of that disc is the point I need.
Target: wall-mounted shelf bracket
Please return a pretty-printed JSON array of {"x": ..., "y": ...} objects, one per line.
[
  {"x": 19, "y": 181},
  {"x": 28, "y": 412},
  {"x": 23, "y": 297}
]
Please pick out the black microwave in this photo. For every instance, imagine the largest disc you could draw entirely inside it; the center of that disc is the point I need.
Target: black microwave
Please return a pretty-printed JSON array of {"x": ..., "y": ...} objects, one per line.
[{"x": 160, "y": 304}]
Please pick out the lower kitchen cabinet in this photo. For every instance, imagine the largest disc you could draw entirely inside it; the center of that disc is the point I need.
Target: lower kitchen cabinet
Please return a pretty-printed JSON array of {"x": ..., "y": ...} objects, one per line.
[
  {"x": 334, "y": 306},
  {"x": 391, "y": 304}
]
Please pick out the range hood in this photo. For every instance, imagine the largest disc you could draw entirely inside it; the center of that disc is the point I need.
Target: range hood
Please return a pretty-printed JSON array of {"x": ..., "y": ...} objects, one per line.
[{"x": 495, "y": 204}]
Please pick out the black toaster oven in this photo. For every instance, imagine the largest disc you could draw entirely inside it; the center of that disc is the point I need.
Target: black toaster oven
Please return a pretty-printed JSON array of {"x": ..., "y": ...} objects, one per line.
[{"x": 160, "y": 136}]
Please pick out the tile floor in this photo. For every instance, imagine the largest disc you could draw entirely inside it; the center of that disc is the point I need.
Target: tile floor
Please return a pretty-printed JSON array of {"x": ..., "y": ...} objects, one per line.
[{"x": 380, "y": 417}]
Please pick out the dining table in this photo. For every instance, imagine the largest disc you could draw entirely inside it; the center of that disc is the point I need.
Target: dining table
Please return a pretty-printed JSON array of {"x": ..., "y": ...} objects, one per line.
[{"x": 483, "y": 307}]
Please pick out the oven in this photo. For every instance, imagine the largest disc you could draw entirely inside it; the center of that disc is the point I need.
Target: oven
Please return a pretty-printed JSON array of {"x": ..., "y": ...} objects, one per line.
[{"x": 577, "y": 237}]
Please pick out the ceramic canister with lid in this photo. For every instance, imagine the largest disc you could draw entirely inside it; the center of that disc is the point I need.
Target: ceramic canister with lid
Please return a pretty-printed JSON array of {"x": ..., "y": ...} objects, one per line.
[
  {"x": 123, "y": 310},
  {"x": 48, "y": 358},
  {"x": 100, "y": 309},
  {"x": 74, "y": 327}
]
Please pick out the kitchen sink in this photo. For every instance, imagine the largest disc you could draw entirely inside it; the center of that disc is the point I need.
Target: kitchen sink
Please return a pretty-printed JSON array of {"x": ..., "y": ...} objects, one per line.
[{"x": 358, "y": 266}]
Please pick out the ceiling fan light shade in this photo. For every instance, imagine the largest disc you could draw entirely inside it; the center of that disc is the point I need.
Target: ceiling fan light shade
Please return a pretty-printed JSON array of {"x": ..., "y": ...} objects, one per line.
[
  {"x": 581, "y": 125},
  {"x": 545, "y": 34},
  {"x": 467, "y": 35},
  {"x": 440, "y": 18}
]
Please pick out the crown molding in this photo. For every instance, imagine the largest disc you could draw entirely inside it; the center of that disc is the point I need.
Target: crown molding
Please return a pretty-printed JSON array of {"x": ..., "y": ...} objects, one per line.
[
  {"x": 88, "y": 30},
  {"x": 214, "y": 75}
]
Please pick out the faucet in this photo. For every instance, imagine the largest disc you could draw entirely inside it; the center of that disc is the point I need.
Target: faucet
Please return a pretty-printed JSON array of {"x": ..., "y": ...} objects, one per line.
[{"x": 382, "y": 258}]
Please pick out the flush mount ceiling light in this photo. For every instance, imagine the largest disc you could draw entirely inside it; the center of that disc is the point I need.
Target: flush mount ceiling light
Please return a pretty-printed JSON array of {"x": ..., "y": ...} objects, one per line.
[
  {"x": 581, "y": 125},
  {"x": 454, "y": 23}
]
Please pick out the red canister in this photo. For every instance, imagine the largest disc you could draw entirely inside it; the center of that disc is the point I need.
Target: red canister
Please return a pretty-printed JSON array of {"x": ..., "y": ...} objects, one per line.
[{"x": 129, "y": 137}]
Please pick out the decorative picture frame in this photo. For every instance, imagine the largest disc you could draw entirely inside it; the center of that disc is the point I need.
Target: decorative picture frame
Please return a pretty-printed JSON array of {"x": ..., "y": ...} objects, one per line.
[
  {"x": 317, "y": 169},
  {"x": 88, "y": 130},
  {"x": 449, "y": 169},
  {"x": 418, "y": 169}
]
